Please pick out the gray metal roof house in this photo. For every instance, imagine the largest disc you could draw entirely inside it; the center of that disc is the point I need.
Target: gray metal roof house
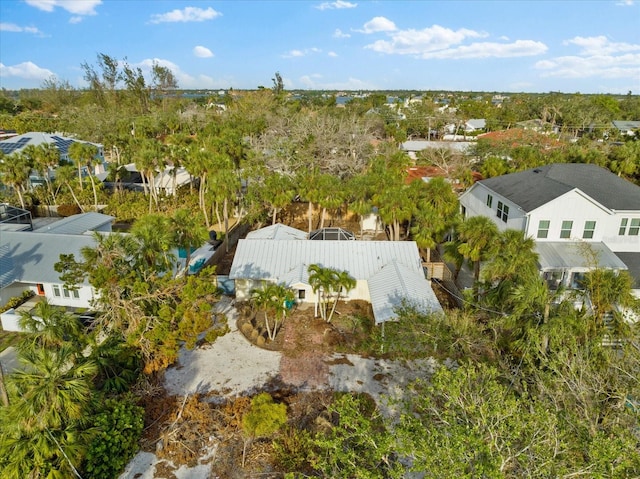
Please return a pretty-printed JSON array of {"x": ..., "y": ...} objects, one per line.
[{"x": 387, "y": 273}]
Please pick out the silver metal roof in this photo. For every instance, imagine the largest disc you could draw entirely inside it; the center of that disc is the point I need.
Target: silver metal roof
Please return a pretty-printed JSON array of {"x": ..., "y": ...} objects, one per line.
[
  {"x": 30, "y": 258},
  {"x": 277, "y": 232},
  {"x": 275, "y": 260},
  {"x": 563, "y": 255},
  {"x": 394, "y": 285},
  {"x": 392, "y": 269},
  {"x": 77, "y": 224}
]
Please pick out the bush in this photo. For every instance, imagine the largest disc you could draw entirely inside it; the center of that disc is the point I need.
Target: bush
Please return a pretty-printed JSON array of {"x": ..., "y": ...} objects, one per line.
[
  {"x": 119, "y": 423},
  {"x": 68, "y": 210},
  {"x": 16, "y": 301}
]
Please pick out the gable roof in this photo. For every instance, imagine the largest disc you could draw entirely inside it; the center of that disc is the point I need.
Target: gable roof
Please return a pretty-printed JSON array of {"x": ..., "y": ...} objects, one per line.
[
  {"x": 20, "y": 142},
  {"x": 396, "y": 284},
  {"x": 273, "y": 260},
  {"x": 392, "y": 269},
  {"x": 626, "y": 125},
  {"x": 278, "y": 231},
  {"x": 30, "y": 258},
  {"x": 533, "y": 188}
]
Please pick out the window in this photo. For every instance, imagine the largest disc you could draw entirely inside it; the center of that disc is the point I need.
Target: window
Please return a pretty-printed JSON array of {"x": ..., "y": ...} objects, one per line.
[
  {"x": 623, "y": 226},
  {"x": 75, "y": 294},
  {"x": 589, "y": 229},
  {"x": 565, "y": 232},
  {"x": 301, "y": 293},
  {"x": 543, "y": 228},
  {"x": 40, "y": 288},
  {"x": 65, "y": 292},
  {"x": 634, "y": 228},
  {"x": 56, "y": 290},
  {"x": 503, "y": 211},
  {"x": 577, "y": 280},
  {"x": 489, "y": 201}
]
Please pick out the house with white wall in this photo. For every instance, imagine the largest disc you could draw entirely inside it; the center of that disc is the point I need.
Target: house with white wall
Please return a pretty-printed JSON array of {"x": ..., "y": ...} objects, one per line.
[
  {"x": 387, "y": 273},
  {"x": 564, "y": 207},
  {"x": 28, "y": 258}
]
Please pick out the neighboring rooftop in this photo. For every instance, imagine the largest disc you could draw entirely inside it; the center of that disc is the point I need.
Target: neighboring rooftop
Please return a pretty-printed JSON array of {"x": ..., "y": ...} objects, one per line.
[
  {"x": 533, "y": 188},
  {"x": 277, "y": 232},
  {"x": 20, "y": 142},
  {"x": 78, "y": 224},
  {"x": 30, "y": 258}
]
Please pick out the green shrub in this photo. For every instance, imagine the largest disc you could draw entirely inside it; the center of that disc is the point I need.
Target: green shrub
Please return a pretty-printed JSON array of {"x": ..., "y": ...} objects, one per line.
[
  {"x": 16, "y": 301},
  {"x": 119, "y": 423}
]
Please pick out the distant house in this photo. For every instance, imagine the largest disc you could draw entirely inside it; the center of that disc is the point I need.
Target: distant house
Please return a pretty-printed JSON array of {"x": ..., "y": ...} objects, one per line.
[
  {"x": 387, "y": 273},
  {"x": 625, "y": 127},
  {"x": 28, "y": 258},
  {"x": 167, "y": 181},
  {"x": 17, "y": 144},
  {"x": 563, "y": 207},
  {"x": 413, "y": 147}
]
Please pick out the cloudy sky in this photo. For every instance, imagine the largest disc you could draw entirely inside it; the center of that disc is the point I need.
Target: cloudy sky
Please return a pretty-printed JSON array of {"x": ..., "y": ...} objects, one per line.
[{"x": 571, "y": 46}]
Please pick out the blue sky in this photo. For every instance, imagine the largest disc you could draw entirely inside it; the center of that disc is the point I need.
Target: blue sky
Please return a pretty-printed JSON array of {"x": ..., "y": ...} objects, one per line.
[{"x": 588, "y": 46}]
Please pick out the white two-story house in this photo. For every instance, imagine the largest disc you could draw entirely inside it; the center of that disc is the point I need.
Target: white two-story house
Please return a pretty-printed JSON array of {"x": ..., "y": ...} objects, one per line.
[{"x": 563, "y": 206}]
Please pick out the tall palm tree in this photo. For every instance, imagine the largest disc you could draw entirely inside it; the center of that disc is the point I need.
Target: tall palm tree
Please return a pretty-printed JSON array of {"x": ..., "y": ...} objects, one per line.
[
  {"x": 14, "y": 171},
  {"x": 272, "y": 298},
  {"x": 155, "y": 241},
  {"x": 188, "y": 232},
  {"x": 328, "y": 284},
  {"x": 64, "y": 175},
  {"x": 45, "y": 157},
  {"x": 477, "y": 236},
  {"x": 83, "y": 155}
]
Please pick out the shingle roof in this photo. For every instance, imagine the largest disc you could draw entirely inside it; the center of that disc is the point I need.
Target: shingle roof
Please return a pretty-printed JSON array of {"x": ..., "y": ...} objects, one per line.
[
  {"x": 533, "y": 188},
  {"x": 632, "y": 260},
  {"x": 30, "y": 258}
]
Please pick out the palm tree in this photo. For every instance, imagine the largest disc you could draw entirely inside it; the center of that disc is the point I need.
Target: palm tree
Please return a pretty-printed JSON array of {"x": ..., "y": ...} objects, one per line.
[
  {"x": 343, "y": 282},
  {"x": 476, "y": 237},
  {"x": 155, "y": 241},
  {"x": 44, "y": 433},
  {"x": 514, "y": 263},
  {"x": 64, "y": 175},
  {"x": 321, "y": 281},
  {"x": 50, "y": 326},
  {"x": 83, "y": 155},
  {"x": 328, "y": 284},
  {"x": 44, "y": 157},
  {"x": 15, "y": 170},
  {"x": 188, "y": 232},
  {"x": 273, "y": 298}
]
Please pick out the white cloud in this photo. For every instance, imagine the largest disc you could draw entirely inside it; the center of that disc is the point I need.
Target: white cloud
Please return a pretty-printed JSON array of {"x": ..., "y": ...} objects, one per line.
[
  {"x": 340, "y": 34},
  {"x": 314, "y": 82},
  {"x": 26, "y": 71},
  {"x": 622, "y": 66},
  {"x": 600, "y": 45},
  {"x": 625, "y": 3},
  {"x": 332, "y": 54},
  {"x": 74, "y": 20},
  {"x": 76, "y": 7},
  {"x": 378, "y": 24},
  {"x": 421, "y": 42},
  {"x": 12, "y": 27},
  {"x": 519, "y": 48},
  {"x": 202, "y": 52},
  {"x": 598, "y": 57},
  {"x": 187, "y": 14},
  {"x": 338, "y": 4},
  {"x": 301, "y": 53}
]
